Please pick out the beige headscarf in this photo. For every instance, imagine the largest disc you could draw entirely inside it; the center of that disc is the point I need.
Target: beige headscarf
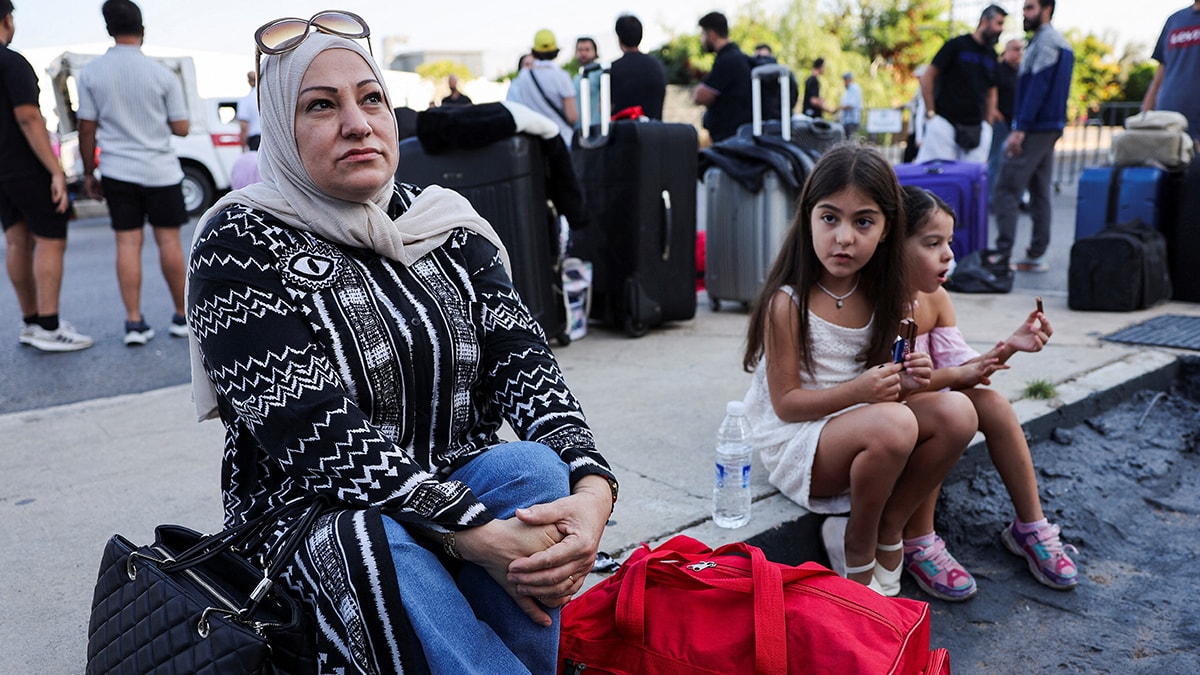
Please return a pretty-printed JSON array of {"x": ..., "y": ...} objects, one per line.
[{"x": 287, "y": 191}]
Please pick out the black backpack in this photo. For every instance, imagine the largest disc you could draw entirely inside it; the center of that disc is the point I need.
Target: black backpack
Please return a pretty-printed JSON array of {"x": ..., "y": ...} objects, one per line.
[
  {"x": 983, "y": 271},
  {"x": 1119, "y": 269}
]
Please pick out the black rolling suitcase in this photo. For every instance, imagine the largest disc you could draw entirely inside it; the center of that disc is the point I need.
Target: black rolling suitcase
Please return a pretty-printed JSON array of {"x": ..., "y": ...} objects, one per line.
[
  {"x": 639, "y": 184},
  {"x": 506, "y": 183},
  {"x": 1182, "y": 230}
]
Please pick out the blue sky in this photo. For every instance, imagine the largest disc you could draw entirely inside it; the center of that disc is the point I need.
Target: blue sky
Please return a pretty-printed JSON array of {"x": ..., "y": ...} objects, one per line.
[{"x": 500, "y": 28}]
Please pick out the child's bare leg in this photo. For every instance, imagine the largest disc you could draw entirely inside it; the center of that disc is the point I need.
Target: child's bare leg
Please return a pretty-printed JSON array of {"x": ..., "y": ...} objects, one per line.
[
  {"x": 864, "y": 450},
  {"x": 922, "y": 519},
  {"x": 946, "y": 423},
  {"x": 1009, "y": 451}
]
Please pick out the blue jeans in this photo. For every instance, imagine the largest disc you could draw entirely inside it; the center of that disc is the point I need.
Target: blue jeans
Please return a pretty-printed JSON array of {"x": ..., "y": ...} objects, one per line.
[{"x": 467, "y": 623}]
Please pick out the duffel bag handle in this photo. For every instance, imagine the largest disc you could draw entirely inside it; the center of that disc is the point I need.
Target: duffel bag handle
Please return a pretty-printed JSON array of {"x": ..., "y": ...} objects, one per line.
[{"x": 765, "y": 585}]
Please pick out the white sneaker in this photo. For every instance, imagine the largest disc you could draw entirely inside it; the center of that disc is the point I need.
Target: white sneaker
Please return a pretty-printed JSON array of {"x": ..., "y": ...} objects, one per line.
[
  {"x": 26, "y": 337},
  {"x": 65, "y": 339}
]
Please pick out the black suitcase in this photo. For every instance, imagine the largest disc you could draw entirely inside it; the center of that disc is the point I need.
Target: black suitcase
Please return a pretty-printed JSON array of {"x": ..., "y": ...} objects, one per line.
[
  {"x": 1119, "y": 269},
  {"x": 639, "y": 185},
  {"x": 1182, "y": 228},
  {"x": 506, "y": 183}
]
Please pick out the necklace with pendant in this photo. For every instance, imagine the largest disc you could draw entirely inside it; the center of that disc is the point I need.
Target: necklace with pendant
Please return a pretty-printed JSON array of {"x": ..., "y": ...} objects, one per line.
[{"x": 839, "y": 298}]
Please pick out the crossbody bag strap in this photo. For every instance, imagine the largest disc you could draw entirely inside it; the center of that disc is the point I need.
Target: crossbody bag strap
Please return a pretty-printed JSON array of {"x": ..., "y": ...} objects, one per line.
[{"x": 561, "y": 114}]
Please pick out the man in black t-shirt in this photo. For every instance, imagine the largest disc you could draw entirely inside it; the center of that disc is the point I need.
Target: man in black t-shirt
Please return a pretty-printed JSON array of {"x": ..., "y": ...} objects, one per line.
[
  {"x": 959, "y": 89},
  {"x": 814, "y": 105},
  {"x": 33, "y": 203},
  {"x": 726, "y": 90},
  {"x": 637, "y": 78}
]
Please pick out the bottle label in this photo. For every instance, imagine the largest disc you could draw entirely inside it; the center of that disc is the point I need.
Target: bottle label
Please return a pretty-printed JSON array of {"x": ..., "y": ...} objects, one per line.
[{"x": 723, "y": 471}]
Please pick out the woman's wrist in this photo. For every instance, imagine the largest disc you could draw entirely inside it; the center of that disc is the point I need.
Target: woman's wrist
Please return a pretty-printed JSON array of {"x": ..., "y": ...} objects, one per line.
[{"x": 603, "y": 489}]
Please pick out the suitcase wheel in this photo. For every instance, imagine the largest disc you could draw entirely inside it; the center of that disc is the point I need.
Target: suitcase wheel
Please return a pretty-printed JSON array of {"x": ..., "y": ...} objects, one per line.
[
  {"x": 563, "y": 339},
  {"x": 714, "y": 303},
  {"x": 635, "y": 328}
]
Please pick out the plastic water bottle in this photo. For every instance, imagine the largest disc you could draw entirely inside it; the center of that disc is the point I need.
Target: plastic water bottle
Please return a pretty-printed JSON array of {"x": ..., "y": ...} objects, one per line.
[{"x": 731, "y": 492}]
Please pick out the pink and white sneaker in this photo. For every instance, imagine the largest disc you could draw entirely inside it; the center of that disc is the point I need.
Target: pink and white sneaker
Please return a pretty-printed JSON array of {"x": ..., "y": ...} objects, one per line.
[
  {"x": 1045, "y": 553},
  {"x": 938, "y": 573}
]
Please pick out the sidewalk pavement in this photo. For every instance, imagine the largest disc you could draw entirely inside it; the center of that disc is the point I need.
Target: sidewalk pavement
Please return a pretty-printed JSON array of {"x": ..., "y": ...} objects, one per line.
[{"x": 81, "y": 472}]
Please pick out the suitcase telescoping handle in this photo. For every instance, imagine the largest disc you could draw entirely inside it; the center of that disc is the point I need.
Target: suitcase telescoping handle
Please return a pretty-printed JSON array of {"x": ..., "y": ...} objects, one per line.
[
  {"x": 757, "y": 75},
  {"x": 667, "y": 221},
  {"x": 585, "y": 99}
]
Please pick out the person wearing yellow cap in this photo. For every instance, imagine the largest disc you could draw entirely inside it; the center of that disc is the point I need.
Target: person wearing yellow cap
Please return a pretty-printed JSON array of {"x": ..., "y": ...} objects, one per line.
[{"x": 546, "y": 87}]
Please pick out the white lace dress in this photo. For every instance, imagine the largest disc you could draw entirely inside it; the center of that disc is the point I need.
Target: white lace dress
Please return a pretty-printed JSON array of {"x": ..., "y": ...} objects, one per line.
[{"x": 787, "y": 449}]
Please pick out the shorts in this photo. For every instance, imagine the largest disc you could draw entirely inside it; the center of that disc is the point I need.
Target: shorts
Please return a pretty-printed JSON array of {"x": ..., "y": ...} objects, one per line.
[
  {"x": 130, "y": 204},
  {"x": 27, "y": 200}
]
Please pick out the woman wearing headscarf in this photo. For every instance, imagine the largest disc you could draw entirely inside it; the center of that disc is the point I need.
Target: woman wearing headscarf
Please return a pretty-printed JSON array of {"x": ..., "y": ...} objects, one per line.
[{"x": 361, "y": 340}]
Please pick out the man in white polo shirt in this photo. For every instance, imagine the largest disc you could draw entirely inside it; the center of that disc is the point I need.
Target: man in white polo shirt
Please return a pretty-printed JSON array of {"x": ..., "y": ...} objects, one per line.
[{"x": 130, "y": 105}]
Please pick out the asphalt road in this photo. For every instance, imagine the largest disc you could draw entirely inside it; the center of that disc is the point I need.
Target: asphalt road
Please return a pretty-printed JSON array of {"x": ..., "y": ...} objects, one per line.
[{"x": 90, "y": 300}]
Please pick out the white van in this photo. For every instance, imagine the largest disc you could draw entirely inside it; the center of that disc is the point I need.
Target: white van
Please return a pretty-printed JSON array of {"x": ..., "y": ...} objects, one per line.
[{"x": 206, "y": 154}]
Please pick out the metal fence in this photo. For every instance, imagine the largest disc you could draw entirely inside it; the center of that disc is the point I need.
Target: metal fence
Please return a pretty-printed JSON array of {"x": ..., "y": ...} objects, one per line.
[{"x": 1087, "y": 142}]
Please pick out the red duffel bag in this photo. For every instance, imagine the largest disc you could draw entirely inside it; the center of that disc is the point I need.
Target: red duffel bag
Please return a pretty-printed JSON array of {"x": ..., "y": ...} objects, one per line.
[{"x": 685, "y": 608}]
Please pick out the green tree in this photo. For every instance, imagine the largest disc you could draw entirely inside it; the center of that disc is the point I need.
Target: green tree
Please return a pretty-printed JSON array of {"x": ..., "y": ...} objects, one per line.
[
  {"x": 1137, "y": 82},
  {"x": 1096, "y": 75},
  {"x": 882, "y": 42},
  {"x": 895, "y": 36},
  {"x": 685, "y": 61},
  {"x": 437, "y": 71}
]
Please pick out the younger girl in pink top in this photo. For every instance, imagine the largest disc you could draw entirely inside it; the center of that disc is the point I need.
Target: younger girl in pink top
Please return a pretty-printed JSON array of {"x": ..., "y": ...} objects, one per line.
[{"x": 930, "y": 229}]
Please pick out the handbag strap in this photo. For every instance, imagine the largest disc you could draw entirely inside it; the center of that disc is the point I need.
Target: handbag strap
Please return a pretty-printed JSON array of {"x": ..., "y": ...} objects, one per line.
[
  {"x": 765, "y": 585},
  {"x": 561, "y": 115},
  {"x": 256, "y": 530}
]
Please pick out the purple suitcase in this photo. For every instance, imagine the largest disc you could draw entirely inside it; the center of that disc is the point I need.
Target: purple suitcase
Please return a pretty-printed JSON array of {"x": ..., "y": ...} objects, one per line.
[{"x": 964, "y": 186}]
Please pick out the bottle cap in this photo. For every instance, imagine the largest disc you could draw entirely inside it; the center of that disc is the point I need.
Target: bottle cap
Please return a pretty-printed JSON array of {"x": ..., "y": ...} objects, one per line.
[{"x": 735, "y": 408}]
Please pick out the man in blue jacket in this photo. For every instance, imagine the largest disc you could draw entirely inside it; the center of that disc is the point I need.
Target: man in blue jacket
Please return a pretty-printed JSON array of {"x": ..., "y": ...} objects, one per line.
[{"x": 1043, "y": 83}]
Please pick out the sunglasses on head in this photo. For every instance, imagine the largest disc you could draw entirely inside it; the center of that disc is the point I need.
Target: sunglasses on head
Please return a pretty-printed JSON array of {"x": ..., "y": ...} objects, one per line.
[{"x": 283, "y": 35}]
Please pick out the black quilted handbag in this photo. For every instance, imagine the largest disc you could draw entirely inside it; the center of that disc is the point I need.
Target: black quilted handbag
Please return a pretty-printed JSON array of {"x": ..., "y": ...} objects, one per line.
[{"x": 193, "y": 603}]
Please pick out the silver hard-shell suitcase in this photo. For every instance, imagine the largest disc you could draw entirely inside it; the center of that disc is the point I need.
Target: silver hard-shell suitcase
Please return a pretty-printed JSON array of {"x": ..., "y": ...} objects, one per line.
[{"x": 745, "y": 229}]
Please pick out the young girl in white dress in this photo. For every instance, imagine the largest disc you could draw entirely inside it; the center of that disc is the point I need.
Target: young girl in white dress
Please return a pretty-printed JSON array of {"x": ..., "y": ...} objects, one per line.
[{"x": 830, "y": 410}]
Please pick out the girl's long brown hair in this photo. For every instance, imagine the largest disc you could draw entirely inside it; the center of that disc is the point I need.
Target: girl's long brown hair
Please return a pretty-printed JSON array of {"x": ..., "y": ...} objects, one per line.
[{"x": 883, "y": 280}]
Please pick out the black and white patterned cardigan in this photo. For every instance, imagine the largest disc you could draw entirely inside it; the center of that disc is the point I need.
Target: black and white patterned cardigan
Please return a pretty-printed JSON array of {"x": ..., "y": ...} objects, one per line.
[{"x": 341, "y": 372}]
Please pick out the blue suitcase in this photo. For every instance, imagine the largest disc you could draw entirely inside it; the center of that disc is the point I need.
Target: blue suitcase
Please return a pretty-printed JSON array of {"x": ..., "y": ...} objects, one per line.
[
  {"x": 1121, "y": 195},
  {"x": 964, "y": 186}
]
